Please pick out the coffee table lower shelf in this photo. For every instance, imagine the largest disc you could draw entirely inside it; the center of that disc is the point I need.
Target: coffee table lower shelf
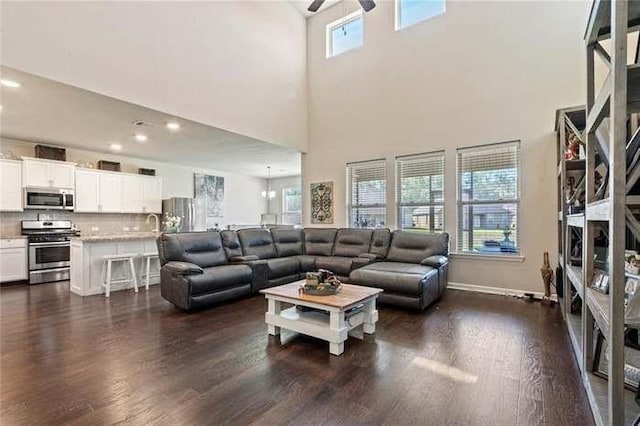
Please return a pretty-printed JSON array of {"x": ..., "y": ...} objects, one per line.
[{"x": 333, "y": 327}]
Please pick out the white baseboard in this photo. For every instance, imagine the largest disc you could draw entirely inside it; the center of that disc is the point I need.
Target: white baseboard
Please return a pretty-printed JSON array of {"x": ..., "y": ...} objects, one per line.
[{"x": 497, "y": 290}]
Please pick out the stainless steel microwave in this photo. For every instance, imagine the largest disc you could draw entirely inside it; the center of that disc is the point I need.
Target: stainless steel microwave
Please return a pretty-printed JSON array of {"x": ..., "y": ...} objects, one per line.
[{"x": 48, "y": 199}]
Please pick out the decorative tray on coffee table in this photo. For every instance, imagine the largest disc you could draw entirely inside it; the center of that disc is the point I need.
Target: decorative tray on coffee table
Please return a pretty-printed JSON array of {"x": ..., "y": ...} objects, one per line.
[{"x": 320, "y": 291}]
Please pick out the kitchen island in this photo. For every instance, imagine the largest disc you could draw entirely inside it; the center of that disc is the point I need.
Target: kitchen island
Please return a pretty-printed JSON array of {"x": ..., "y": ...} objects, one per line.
[{"x": 87, "y": 259}]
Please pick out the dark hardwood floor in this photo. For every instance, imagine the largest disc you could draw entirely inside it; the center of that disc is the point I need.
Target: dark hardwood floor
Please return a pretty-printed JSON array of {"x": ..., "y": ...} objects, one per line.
[{"x": 133, "y": 358}]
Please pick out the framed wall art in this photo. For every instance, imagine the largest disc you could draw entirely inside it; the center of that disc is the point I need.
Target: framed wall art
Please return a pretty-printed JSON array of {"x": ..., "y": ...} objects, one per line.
[{"x": 322, "y": 203}]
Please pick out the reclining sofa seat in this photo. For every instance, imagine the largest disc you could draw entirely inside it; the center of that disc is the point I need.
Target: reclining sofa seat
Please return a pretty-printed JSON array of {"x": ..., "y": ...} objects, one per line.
[
  {"x": 414, "y": 272},
  {"x": 195, "y": 271},
  {"x": 344, "y": 257}
]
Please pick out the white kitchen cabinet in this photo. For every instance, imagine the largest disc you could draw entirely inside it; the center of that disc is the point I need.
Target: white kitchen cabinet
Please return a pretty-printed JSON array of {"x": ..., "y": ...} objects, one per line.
[
  {"x": 141, "y": 194},
  {"x": 152, "y": 194},
  {"x": 10, "y": 185},
  {"x": 13, "y": 259},
  {"x": 37, "y": 172},
  {"x": 110, "y": 193},
  {"x": 132, "y": 194},
  {"x": 98, "y": 191}
]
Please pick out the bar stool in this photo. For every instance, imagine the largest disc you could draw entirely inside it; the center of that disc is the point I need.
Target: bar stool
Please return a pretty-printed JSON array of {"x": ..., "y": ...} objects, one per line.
[
  {"x": 148, "y": 257},
  {"x": 107, "y": 269}
]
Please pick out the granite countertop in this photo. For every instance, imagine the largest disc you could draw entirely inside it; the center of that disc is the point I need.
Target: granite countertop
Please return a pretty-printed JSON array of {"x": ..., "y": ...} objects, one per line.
[{"x": 117, "y": 237}]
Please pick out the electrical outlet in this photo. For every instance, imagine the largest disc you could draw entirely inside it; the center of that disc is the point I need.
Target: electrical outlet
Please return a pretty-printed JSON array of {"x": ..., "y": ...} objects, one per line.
[
  {"x": 95, "y": 229},
  {"x": 136, "y": 228},
  {"x": 125, "y": 228}
]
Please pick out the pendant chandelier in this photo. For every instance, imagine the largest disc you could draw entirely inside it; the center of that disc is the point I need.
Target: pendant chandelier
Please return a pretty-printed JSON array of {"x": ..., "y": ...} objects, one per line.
[{"x": 269, "y": 193}]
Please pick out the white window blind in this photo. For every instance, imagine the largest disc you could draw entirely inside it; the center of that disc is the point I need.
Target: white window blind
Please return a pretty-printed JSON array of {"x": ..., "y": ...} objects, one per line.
[
  {"x": 489, "y": 198},
  {"x": 367, "y": 185},
  {"x": 420, "y": 192}
]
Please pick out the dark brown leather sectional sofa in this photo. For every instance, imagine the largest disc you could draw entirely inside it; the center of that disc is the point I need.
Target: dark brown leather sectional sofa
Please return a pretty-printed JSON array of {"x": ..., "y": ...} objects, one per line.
[{"x": 204, "y": 268}]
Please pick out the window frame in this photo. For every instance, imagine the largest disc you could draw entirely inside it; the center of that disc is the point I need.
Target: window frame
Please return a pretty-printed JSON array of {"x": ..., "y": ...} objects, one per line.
[
  {"x": 398, "y": 201},
  {"x": 349, "y": 182},
  {"x": 398, "y": 12},
  {"x": 286, "y": 212},
  {"x": 517, "y": 201},
  {"x": 353, "y": 16}
]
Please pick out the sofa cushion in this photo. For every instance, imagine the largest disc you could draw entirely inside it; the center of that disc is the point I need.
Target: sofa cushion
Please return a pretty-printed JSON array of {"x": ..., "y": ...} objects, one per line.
[
  {"x": 336, "y": 264},
  {"x": 352, "y": 242},
  {"x": 414, "y": 247},
  {"x": 220, "y": 278},
  {"x": 283, "y": 266},
  {"x": 307, "y": 263},
  {"x": 288, "y": 242},
  {"x": 395, "y": 277},
  {"x": 257, "y": 242},
  {"x": 201, "y": 248},
  {"x": 319, "y": 241},
  {"x": 380, "y": 241},
  {"x": 231, "y": 243}
]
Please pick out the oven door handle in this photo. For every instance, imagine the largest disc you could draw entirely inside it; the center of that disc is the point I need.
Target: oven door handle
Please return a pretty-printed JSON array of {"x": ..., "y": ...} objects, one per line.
[{"x": 59, "y": 243}]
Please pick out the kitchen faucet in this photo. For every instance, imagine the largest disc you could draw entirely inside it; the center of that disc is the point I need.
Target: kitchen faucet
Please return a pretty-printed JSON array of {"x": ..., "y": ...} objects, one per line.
[{"x": 157, "y": 222}]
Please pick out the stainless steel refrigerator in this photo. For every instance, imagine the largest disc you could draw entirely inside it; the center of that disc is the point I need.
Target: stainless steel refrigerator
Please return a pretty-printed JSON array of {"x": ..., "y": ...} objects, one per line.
[{"x": 191, "y": 211}]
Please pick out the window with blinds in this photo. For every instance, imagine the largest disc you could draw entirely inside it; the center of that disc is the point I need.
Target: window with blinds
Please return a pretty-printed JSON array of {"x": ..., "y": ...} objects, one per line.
[
  {"x": 367, "y": 198},
  {"x": 489, "y": 198},
  {"x": 420, "y": 192}
]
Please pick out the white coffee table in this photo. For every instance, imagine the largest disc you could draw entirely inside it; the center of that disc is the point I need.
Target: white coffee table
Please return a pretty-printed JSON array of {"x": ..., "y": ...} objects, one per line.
[{"x": 333, "y": 327}]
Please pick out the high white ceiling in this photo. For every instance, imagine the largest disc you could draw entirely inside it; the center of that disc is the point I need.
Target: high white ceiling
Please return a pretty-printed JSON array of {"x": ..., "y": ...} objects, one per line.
[
  {"x": 45, "y": 111},
  {"x": 302, "y": 5}
]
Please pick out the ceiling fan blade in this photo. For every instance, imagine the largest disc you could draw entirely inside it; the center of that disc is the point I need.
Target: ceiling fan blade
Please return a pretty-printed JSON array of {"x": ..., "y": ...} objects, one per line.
[
  {"x": 315, "y": 5},
  {"x": 367, "y": 5}
]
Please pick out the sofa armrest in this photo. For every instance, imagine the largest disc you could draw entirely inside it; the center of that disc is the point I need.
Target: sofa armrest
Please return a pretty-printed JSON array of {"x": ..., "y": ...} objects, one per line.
[
  {"x": 259, "y": 270},
  {"x": 435, "y": 261},
  {"x": 183, "y": 268},
  {"x": 372, "y": 257},
  {"x": 359, "y": 262},
  {"x": 243, "y": 259}
]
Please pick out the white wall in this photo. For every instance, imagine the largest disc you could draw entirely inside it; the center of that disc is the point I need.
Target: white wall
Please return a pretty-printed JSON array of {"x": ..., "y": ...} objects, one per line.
[
  {"x": 278, "y": 185},
  {"x": 236, "y": 65},
  {"x": 243, "y": 200},
  {"x": 483, "y": 72}
]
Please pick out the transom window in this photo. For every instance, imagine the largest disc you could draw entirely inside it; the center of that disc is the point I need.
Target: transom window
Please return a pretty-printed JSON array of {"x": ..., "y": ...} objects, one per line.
[
  {"x": 345, "y": 34},
  {"x": 420, "y": 192},
  {"x": 367, "y": 194},
  {"x": 489, "y": 198},
  {"x": 409, "y": 12}
]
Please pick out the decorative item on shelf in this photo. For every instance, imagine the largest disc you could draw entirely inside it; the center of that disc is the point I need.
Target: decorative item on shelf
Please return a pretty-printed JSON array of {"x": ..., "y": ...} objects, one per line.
[
  {"x": 170, "y": 223},
  {"x": 570, "y": 190},
  {"x": 600, "y": 281},
  {"x": 547, "y": 278},
  {"x": 51, "y": 153},
  {"x": 576, "y": 302},
  {"x": 573, "y": 147},
  {"x": 321, "y": 283},
  {"x": 601, "y": 181},
  {"x": 109, "y": 165},
  {"x": 322, "y": 203},
  {"x": 601, "y": 363},
  {"x": 147, "y": 172}
]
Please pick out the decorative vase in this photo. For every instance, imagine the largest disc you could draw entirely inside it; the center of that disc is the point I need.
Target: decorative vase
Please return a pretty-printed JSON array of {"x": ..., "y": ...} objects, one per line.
[
  {"x": 171, "y": 230},
  {"x": 547, "y": 275}
]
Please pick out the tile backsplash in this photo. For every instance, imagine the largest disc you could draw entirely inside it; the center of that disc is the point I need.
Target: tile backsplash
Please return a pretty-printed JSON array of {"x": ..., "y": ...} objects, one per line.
[{"x": 108, "y": 223}]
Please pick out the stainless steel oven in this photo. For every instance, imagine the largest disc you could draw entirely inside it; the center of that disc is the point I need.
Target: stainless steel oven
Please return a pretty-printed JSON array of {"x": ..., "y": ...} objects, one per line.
[
  {"x": 49, "y": 249},
  {"x": 48, "y": 198},
  {"x": 49, "y": 255}
]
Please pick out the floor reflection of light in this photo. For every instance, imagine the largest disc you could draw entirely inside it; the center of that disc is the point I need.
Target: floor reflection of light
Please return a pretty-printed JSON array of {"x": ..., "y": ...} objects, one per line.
[{"x": 452, "y": 373}]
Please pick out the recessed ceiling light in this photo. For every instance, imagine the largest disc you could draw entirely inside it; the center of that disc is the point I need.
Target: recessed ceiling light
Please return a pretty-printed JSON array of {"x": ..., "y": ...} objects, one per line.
[
  {"x": 172, "y": 125},
  {"x": 115, "y": 147},
  {"x": 9, "y": 83},
  {"x": 140, "y": 137}
]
